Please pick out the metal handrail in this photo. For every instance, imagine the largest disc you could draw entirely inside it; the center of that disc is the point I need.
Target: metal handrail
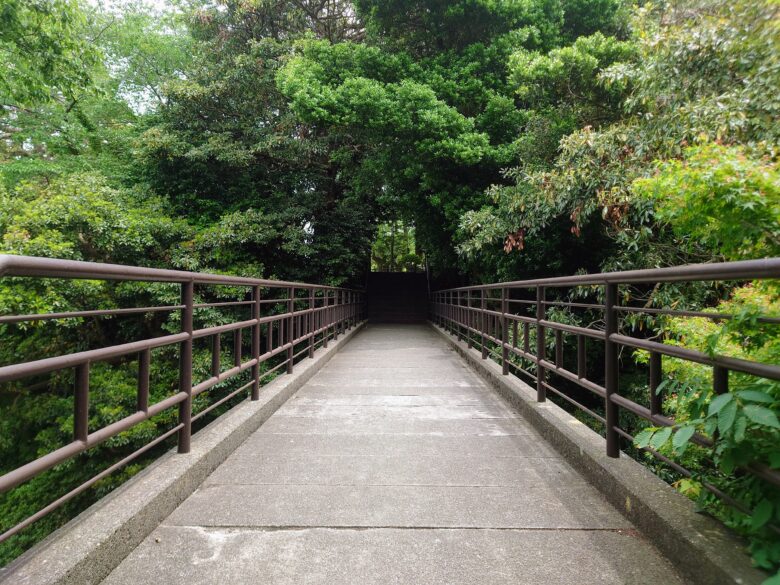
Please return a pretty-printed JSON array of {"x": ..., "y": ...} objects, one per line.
[
  {"x": 12, "y": 265},
  {"x": 492, "y": 324},
  {"x": 290, "y": 334},
  {"x": 742, "y": 270}
]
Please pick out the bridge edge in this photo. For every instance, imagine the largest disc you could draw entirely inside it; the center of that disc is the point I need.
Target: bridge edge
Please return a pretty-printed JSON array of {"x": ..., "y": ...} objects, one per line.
[
  {"x": 698, "y": 546},
  {"x": 85, "y": 550}
]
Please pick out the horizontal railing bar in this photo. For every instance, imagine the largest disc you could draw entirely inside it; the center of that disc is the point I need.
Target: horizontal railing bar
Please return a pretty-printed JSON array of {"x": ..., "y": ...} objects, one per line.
[
  {"x": 46, "y": 365},
  {"x": 572, "y": 377},
  {"x": 741, "y": 270},
  {"x": 11, "y": 265},
  {"x": 682, "y": 313},
  {"x": 522, "y": 370},
  {"x": 222, "y": 400},
  {"x": 33, "y": 468},
  {"x": 274, "y": 369},
  {"x": 523, "y": 354},
  {"x": 223, "y": 376},
  {"x": 87, "y": 484},
  {"x": 335, "y": 309},
  {"x": 570, "y": 304},
  {"x": 471, "y": 313},
  {"x": 222, "y": 304},
  {"x": 220, "y": 329},
  {"x": 573, "y": 402},
  {"x": 132, "y": 420},
  {"x": 687, "y": 473},
  {"x": 155, "y": 309},
  {"x": 521, "y": 318},
  {"x": 94, "y": 313},
  {"x": 303, "y": 351},
  {"x": 594, "y": 333},
  {"x": 761, "y": 370}
]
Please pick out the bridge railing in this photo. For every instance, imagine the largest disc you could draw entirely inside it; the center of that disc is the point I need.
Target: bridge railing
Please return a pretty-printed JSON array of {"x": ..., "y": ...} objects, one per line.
[
  {"x": 309, "y": 317},
  {"x": 512, "y": 322}
]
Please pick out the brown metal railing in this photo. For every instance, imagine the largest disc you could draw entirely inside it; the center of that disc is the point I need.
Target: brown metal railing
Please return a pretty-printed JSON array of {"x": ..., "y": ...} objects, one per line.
[
  {"x": 312, "y": 316},
  {"x": 499, "y": 319}
]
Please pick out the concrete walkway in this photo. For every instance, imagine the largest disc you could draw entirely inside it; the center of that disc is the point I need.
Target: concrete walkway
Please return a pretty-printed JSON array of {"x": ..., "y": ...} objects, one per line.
[{"x": 394, "y": 464}]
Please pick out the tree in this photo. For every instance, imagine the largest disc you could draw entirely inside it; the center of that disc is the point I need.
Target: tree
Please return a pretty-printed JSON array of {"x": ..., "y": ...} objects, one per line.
[
  {"x": 44, "y": 53},
  {"x": 226, "y": 145},
  {"x": 722, "y": 93}
]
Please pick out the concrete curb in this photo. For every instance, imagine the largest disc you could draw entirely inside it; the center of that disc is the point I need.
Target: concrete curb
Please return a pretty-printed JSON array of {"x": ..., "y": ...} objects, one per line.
[
  {"x": 698, "y": 546},
  {"x": 90, "y": 546}
]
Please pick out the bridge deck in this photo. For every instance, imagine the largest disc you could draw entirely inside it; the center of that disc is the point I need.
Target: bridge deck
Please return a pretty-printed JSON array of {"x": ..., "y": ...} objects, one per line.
[{"x": 395, "y": 464}]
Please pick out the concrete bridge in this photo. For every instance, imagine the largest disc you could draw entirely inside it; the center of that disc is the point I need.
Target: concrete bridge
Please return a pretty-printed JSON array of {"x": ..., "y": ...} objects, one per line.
[
  {"x": 395, "y": 464},
  {"x": 396, "y": 453}
]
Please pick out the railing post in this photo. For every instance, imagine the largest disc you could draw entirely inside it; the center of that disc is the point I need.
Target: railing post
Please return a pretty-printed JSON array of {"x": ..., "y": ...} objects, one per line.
[
  {"x": 348, "y": 310},
  {"x": 469, "y": 320},
  {"x": 144, "y": 363},
  {"x": 216, "y": 352},
  {"x": 527, "y": 337},
  {"x": 185, "y": 367},
  {"x": 611, "y": 370},
  {"x": 482, "y": 324},
  {"x": 460, "y": 316},
  {"x": 290, "y": 332},
  {"x": 312, "y": 323},
  {"x": 451, "y": 313},
  {"x": 256, "y": 343},
  {"x": 237, "y": 348},
  {"x": 504, "y": 332},
  {"x": 656, "y": 400},
  {"x": 720, "y": 380},
  {"x": 81, "y": 404},
  {"x": 541, "y": 373},
  {"x": 338, "y": 316},
  {"x": 325, "y": 317},
  {"x": 335, "y": 315}
]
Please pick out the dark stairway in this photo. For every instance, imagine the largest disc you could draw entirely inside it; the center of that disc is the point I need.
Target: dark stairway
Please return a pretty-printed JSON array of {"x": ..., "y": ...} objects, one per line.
[{"x": 397, "y": 297}]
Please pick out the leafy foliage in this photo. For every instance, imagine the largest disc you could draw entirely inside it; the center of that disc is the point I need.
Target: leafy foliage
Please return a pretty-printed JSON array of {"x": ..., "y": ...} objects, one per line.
[
  {"x": 44, "y": 54},
  {"x": 290, "y": 139},
  {"x": 719, "y": 198}
]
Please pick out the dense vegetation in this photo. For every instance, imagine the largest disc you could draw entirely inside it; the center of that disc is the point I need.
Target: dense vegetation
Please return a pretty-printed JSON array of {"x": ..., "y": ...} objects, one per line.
[{"x": 307, "y": 140}]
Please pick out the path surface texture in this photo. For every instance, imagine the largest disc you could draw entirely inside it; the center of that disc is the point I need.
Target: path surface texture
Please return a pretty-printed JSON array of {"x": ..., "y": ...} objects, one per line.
[{"x": 395, "y": 464}]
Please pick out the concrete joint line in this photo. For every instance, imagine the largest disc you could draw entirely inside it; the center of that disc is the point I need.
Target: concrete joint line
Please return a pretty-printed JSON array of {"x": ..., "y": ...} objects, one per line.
[
  {"x": 703, "y": 550},
  {"x": 89, "y": 547}
]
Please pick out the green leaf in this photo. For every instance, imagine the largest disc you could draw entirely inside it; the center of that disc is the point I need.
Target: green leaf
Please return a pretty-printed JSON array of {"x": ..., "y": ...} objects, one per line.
[
  {"x": 726, "y": 463},
  {"x": 772, "y": 580},
  {"x": 762, "y": 416},
  {"x": 726, "y": 417},
  {"x": 681, "y": 438},
  {"x": 642, "y": 438},
  {"x": 761, "y": 514},
  {"x": 718, "y": 403},
  {"x": 661, "y": 437},
  {"x": 755, "y": 396},
  {"x": 739, "y": 429},
  {"x": 774, "y": 460}
]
